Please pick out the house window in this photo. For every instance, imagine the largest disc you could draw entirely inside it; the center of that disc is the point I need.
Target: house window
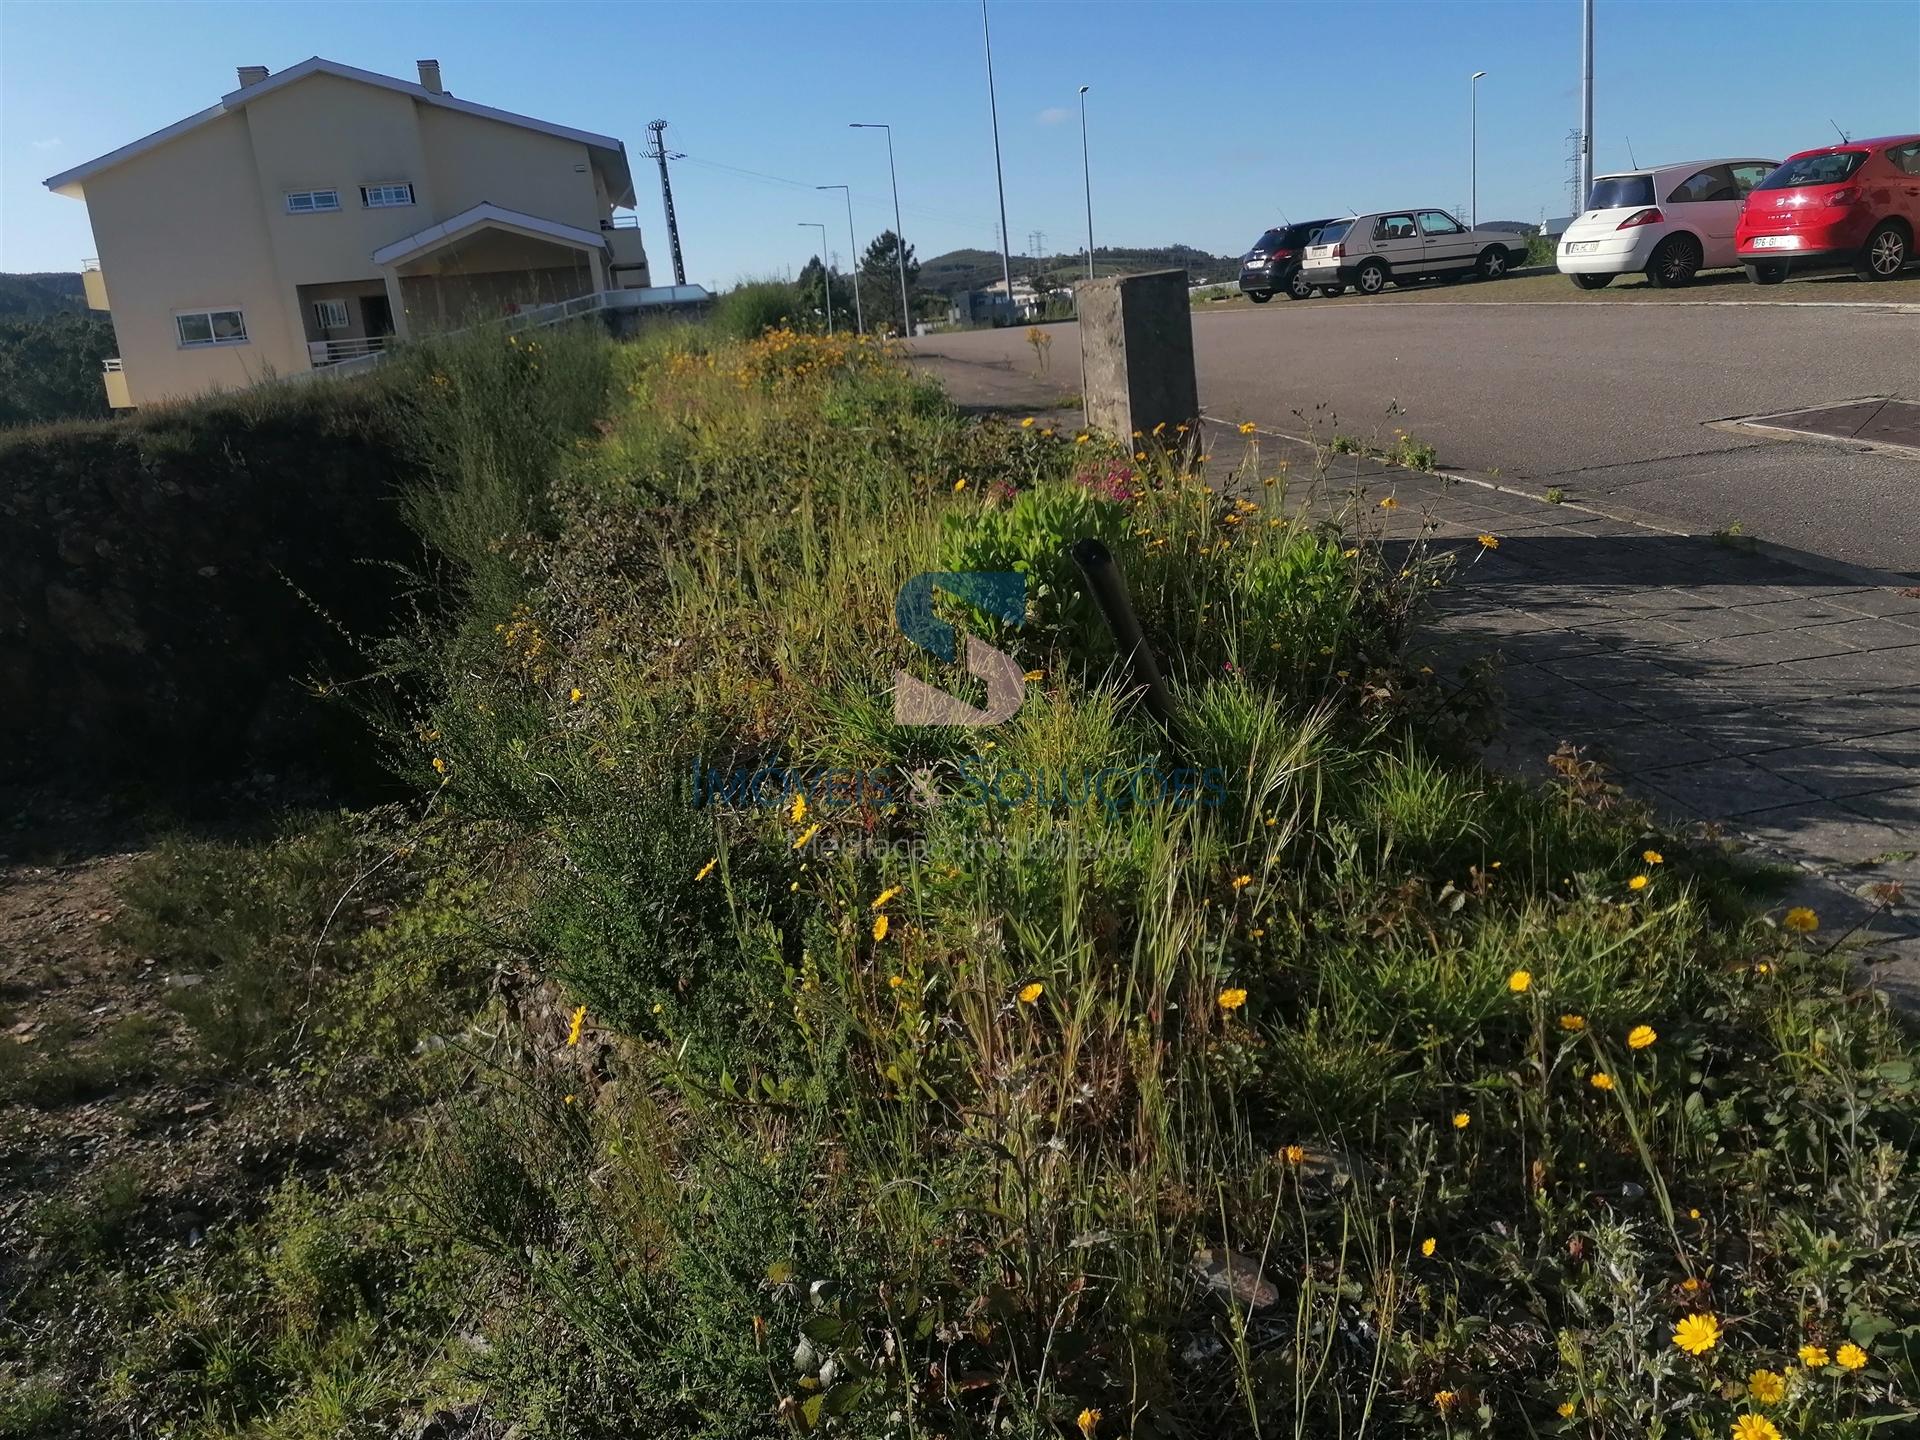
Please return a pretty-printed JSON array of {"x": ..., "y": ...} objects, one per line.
[
  {"x": 211, "y": 327},
  {"x": 378, "y": 197},
  {"x": 330, "y": 314},
  {"x": 310, "y": 202}
]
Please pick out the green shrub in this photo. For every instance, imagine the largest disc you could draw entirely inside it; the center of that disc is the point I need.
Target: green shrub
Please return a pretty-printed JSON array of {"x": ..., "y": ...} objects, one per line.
[{"x": 754, "y": 307}]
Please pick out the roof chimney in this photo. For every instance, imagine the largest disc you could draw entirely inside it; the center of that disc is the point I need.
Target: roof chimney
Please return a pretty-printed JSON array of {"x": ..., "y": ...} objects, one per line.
[
  {"x": 430, "y": 76},
  {"x": 251, "y": 75}
]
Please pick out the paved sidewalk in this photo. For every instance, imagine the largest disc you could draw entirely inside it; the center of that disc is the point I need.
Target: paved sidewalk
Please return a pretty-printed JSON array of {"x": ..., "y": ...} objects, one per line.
[{"x": 1779, "y": 704}]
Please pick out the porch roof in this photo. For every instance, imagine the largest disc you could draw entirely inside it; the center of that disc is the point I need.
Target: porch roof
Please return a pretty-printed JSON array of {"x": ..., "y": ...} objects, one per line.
[{"x": 483, "y": 216}]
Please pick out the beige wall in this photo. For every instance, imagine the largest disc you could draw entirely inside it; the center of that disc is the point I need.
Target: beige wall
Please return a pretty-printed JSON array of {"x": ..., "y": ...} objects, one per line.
[
  {"x": 482, "y": 277},
  {"x": 202, "y": 221},
  {"x": 183, "y": 228}
]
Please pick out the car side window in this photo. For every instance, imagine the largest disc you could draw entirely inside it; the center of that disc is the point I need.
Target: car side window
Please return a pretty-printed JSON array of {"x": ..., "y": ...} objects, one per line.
[
  {"x": 1438, "y": 222},
  {"x": 1713, "y": 183},
  {"x": 1906, "y": 158},
  {"x": 1747, "y": 178},
  {"x": 1394, "y": 227}
]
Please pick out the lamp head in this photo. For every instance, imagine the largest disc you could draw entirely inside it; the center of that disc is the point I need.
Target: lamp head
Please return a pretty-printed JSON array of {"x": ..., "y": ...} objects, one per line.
[
  {"x": 1479, "y": 74},
  {"x": 1085, "y": 88}
]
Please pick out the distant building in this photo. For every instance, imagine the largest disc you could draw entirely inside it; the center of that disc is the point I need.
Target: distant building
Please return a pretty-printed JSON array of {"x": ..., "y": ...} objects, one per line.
[
  {"x": 306, "y": 217},
  {"x": 980, "y": 307}
]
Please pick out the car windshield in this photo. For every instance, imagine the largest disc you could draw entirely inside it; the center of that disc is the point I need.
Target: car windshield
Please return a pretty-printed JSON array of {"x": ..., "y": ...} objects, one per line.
[
  {"x": 1271, "y": 240},
  {"x": 1613, "y": 192},
  {"x": 1814, "y": 170},
  {"x": 1336, "y": 231}
]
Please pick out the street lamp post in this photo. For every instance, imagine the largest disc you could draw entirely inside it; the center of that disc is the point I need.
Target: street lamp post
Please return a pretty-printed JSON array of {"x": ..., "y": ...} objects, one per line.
[
  {"x": 853, "y": 257},
  {"x": 899, "y": 240},
  {"x": 1086, "y": 176},
  {"x": 1473, "y": 148},
  {"x": 826, "y": 271},
  {"x": 999, "y": 176}
]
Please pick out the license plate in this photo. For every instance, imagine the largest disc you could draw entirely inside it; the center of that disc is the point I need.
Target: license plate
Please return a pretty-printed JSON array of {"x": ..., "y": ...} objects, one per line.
[
  {"x": 1582, "y": 247},
  {"x": 1772, "y": 242}
]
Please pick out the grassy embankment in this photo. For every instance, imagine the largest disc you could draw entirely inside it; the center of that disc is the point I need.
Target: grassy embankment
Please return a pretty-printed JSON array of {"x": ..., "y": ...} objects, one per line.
[{"x": 890, "y": 1117}]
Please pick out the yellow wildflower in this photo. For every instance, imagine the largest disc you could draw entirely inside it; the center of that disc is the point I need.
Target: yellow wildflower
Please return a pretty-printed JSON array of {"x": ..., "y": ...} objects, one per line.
[
  {"x": 1754, "y": 1427},
  {"x": 1815, "y": 1357},
  {"x": 573, "y": 1030},
  {"x": 1641, "y": 1036},
  {"x": 1232, "y": 998},
  {"x": 1850, "y": 1357},
  {"x": 1520, "y": 981},
  {"x": 1801, "y": 920},
  {"x": 1088, "y": 1421},
  {"x": 576, "y": 695},
  {"x": 1031, "y": 992},
  {"x": 1295, "y": 1154},
  {"x": 884, "y": 896},
  {"x": 1082, "y": 438},
  {"x": 1489, "y": 542},
  {"x": 798, "y": 811},
  {"x": 1027, "y": 424},
  {"x": 1389, "y": 503},
  {"x": 1240, "y": 882},
  {"x": 1035, "y": 675},
  {"x": 1443, "y": 1400},
  {"x": 1428, "y": 1246},
  {"x": 1573, "y": 1022},
  {"x": 894, "y": 982},
  {"x": 1767, "y": 1387},
  {"x": 1653, "y": 857},
  {"x": 800, "y": 841},
  {"x": 1247, "y": 427},
  {"x": 707, "y": 869},
  {"x": 1600, "y": 1080},
  {"x": 1696, "y": 1334},
  {"x": 879, "y": 927},
  {"x": 1638, "y": 882},
  {"x": 439, "y": 766},
  {"x": 1461, "y": 1119}
]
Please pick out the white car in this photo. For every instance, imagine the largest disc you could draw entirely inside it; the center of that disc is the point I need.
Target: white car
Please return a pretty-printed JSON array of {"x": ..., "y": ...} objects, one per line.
[
  {"x": 1367, "y": 251},
  {"x": 1669, "y": 222}
]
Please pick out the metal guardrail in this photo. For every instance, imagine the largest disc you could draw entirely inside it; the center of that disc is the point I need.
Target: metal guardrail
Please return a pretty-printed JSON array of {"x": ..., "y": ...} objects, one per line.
[
  {"x": 332, "y": 352},
  {"x": 111, "y": 367},
  {"x": 91, "y": 262}
]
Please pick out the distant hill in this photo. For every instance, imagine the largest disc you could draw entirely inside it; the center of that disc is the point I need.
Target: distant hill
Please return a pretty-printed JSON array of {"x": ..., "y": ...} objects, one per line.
[
  {"x": 959, "y": 270},
  {"x": 50, "y": 292}
]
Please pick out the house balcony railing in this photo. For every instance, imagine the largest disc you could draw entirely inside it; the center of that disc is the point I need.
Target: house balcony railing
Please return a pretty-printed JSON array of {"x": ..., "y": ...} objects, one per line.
[
  {"x": 94, "y": 282},
  {"x": 115, "y": 379},
  {"x": 333, "y": 352}
]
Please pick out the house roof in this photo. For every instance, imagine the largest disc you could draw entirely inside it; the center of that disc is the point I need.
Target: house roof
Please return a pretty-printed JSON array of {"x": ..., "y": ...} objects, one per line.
[
  {"x": 485, "y": 213},
  {"x": 610, "y": 152}
]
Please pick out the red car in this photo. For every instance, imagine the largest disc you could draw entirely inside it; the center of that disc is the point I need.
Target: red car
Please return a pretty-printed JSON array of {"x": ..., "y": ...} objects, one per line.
[{"x": 1855, "y": 204}]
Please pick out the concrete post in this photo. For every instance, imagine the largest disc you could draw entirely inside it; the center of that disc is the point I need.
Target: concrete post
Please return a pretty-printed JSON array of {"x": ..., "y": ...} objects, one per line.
[
  {"x": 390, "y": 278},
  {"x": 1136, "y": 352}
]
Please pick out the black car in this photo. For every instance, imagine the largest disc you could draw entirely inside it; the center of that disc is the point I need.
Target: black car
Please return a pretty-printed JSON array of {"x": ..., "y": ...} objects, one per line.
[{"x": 1273, "y": 264}]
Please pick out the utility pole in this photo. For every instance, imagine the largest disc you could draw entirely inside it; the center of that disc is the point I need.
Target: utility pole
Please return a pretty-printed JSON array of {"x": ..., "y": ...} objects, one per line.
[
  {"x": 1086, "y": 176},
  {"x": 1586, "y": 105},
  {"x": 999, "y": 178},
  {"x": 900, "y": 240},
  {"x": 658, "y": 129},
  {"x": 853, "y": 256}
]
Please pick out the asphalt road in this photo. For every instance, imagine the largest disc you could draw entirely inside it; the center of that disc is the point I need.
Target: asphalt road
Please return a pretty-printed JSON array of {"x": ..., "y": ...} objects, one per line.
[{"x": 1613, "y": 403}]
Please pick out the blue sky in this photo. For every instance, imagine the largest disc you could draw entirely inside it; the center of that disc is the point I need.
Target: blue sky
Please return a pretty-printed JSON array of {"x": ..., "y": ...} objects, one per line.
[{"x": 1209, "y": 121}]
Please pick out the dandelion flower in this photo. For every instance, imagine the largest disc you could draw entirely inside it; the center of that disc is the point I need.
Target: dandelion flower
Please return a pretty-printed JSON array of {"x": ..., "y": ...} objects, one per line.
[
  {"x": 1389, "y": 503},
  {"x": 1653, "y": 857},
  {"x": 1573, "y": 1022},
  {"x": 884, "y": 896},
  {"x": 1489, "y": 542},
  {"x": 1565, "y": 1409},
  {"x": 1641, "y": 1036},
  {"x": 1767, "y": 1386},
  {"x": 1600, "y": 1080},
  {"x": 1428, "y": 1246},
  {"x": 1443, "y": 1400},
  {"x": 1815, "y": 1357},
  {"x": 574, "y": 1028},
  {"x": 1638, "y": 882},
  {"x": 1088, "y": 1421},
  {"x": 1240, "y": 882},
  {"x": 1082, "y": 438},
  {"x": 1520, "y": 981},
  {"x": 1031, "y": 992},
  {"x": 1850, "y": 1357},
  {"x": 1696, "y": 1334},
  {"x": 798, "y": 811},
  {"x": 707, "y": 869},
  {"x": 879, "y": 927},
  {"x": 1027, "y": 424},
  {"x": 1754, "y": 1427},
  {"x": 800, "y": 841},
  {"x": 439, "y": 766},
  {"x": 1295, "y": 1154},
  {"x": 1247, "y": 427},
  {"x": 576, "y": 695},
  {"x": 1232, "y": 998},
  {"x": 1801, "y": 920},
  {"x": 894, "y": 982},
  {"x": 1461, "y": 1119},
  {"x": 959, "y": 484}
]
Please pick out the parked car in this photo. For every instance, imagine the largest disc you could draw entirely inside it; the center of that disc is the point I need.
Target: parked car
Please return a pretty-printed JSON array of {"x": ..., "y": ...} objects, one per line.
[
  {"x": 1407, "y": 245},
  {"x": 1855, "y": 204},
  {"x": 1668, "y": 222},
  {"x": 1272, "y": 266}
]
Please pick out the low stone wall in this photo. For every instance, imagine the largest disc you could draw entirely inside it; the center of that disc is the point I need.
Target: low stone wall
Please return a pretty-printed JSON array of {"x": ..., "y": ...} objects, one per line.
[{"x": 169, "y": 583}]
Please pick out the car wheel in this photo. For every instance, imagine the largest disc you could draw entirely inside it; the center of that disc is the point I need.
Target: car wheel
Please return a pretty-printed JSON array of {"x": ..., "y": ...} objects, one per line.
[
  {"x": 1259, "y": 297},
  {"x": 1493, "y": 263},
  {"x": 1675, "y": 261},
  {"x": 1591, "y": 282},
  {"x": 1766, "y": 272},
  {"x": 1330, "y": 291},
  {"x": 1886, "y": 253},
  {"x": 1298, "y": 288},
  {"x": 1371, "y": 278}
]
